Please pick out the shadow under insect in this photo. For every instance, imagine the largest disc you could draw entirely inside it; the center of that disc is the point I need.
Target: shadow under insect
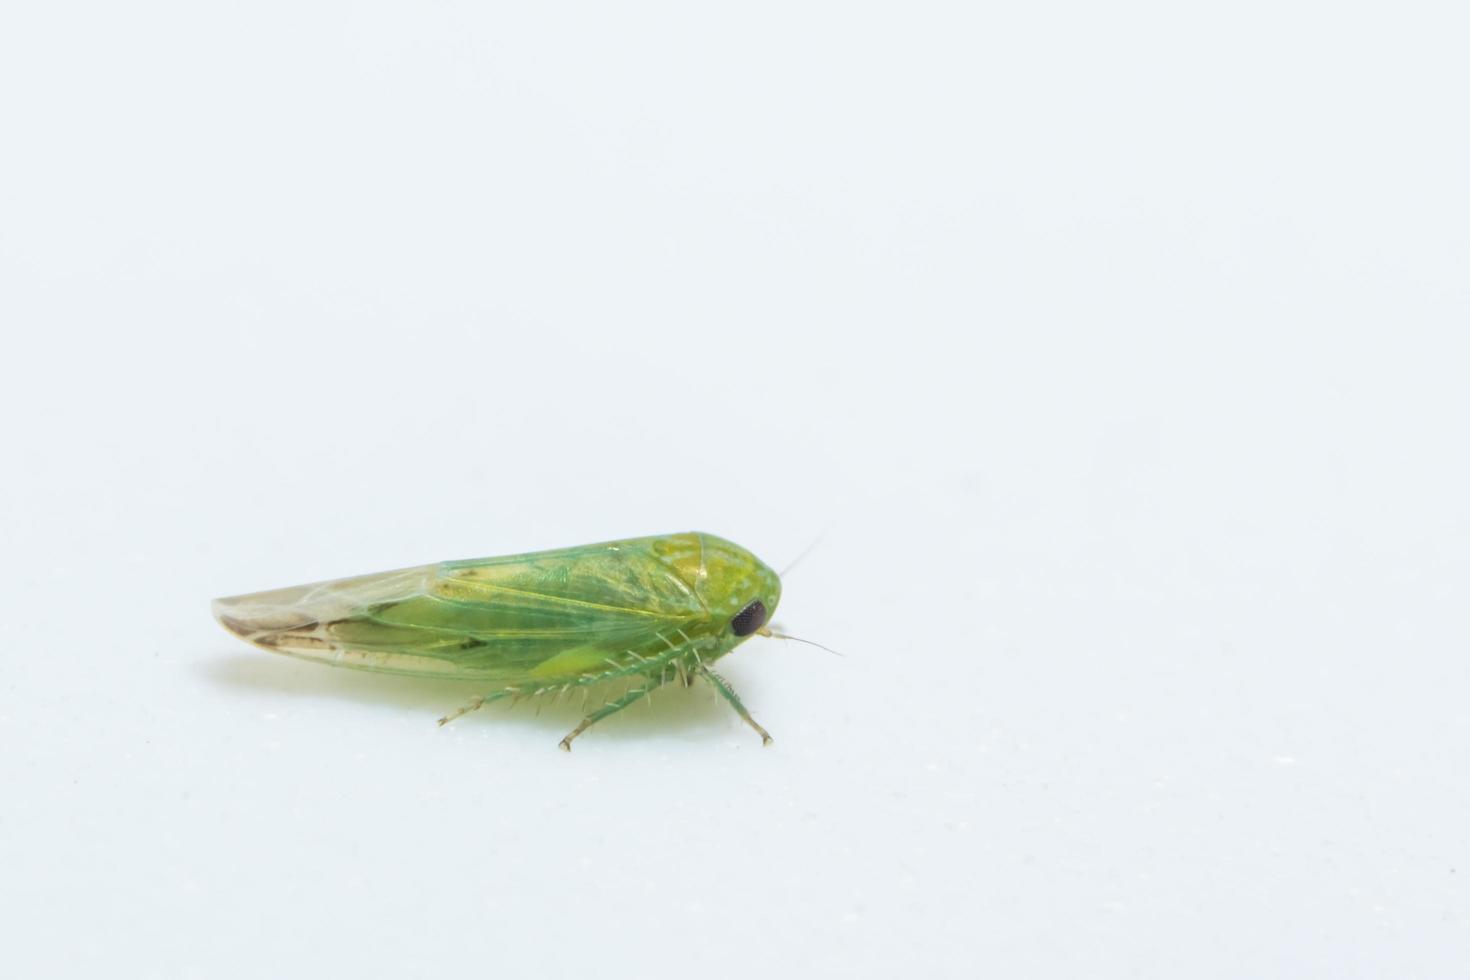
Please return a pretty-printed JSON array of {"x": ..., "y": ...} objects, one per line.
[{"x": 673, "y": 709}]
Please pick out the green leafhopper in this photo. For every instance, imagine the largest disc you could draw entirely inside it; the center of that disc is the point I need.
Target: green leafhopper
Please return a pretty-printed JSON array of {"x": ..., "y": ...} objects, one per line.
[{"x": 641, "y": 612}]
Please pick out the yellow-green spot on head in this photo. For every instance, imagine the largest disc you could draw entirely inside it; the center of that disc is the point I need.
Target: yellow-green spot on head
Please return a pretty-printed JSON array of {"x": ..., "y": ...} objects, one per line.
[{"x": 739, "y": 590}]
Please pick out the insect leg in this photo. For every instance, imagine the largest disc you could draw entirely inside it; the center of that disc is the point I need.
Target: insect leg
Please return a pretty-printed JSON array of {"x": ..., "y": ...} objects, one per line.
[
  {"x": 728, "y": 693},
  {"x": 616, "y": 705},
  {"x": 478, "y": 702}
]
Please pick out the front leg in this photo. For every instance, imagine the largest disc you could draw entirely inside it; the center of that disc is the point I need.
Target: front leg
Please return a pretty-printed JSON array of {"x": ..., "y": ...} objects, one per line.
[
  {"x": 728, "y": 693},
  {"x": 649, "y": 685}
]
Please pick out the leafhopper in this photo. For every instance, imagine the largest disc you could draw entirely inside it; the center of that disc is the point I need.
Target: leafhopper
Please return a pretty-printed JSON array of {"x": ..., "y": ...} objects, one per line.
[{"x": 637, "y": 613}]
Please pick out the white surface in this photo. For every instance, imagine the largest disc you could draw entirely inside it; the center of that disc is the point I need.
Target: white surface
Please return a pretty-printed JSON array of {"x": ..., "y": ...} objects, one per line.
[{"x": 1118, "y": 352}]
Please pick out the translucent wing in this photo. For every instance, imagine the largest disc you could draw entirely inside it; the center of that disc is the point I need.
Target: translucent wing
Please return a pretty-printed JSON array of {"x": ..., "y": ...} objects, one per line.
[{"x": 551, "y": 615}]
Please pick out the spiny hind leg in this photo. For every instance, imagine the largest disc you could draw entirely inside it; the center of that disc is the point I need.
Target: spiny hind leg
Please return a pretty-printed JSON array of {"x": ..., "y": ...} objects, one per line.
[
  {"x": 728, "y": 693},
  {"x": 632, "y": 695},
  {"x": 479, "y": 702}
]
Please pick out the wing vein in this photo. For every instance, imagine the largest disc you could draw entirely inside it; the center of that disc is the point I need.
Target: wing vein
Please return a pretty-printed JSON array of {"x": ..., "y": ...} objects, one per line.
[{"x": 581, "y": 603}]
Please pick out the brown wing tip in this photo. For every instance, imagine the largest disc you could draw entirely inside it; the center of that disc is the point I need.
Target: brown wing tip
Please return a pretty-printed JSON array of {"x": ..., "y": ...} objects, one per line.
[
  {"x": 257, "y": 624},
  {"x": 223, "y": 610}
]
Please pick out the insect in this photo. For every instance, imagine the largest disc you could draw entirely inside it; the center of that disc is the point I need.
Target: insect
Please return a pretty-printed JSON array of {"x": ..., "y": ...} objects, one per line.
[{"x": 642, "y": 612}]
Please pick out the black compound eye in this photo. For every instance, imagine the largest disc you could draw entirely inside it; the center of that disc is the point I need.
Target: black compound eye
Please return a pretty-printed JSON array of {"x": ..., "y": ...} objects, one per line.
[{"x": 749, "y": 619}]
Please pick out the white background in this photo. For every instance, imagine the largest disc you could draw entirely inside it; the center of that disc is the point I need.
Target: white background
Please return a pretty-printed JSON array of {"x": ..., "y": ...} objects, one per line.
[{"x": 1116, "y": 351}]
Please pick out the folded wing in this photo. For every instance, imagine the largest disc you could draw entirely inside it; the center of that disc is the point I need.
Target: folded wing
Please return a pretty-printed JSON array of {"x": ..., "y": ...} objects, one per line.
[{"x": 548, "y": 615}]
